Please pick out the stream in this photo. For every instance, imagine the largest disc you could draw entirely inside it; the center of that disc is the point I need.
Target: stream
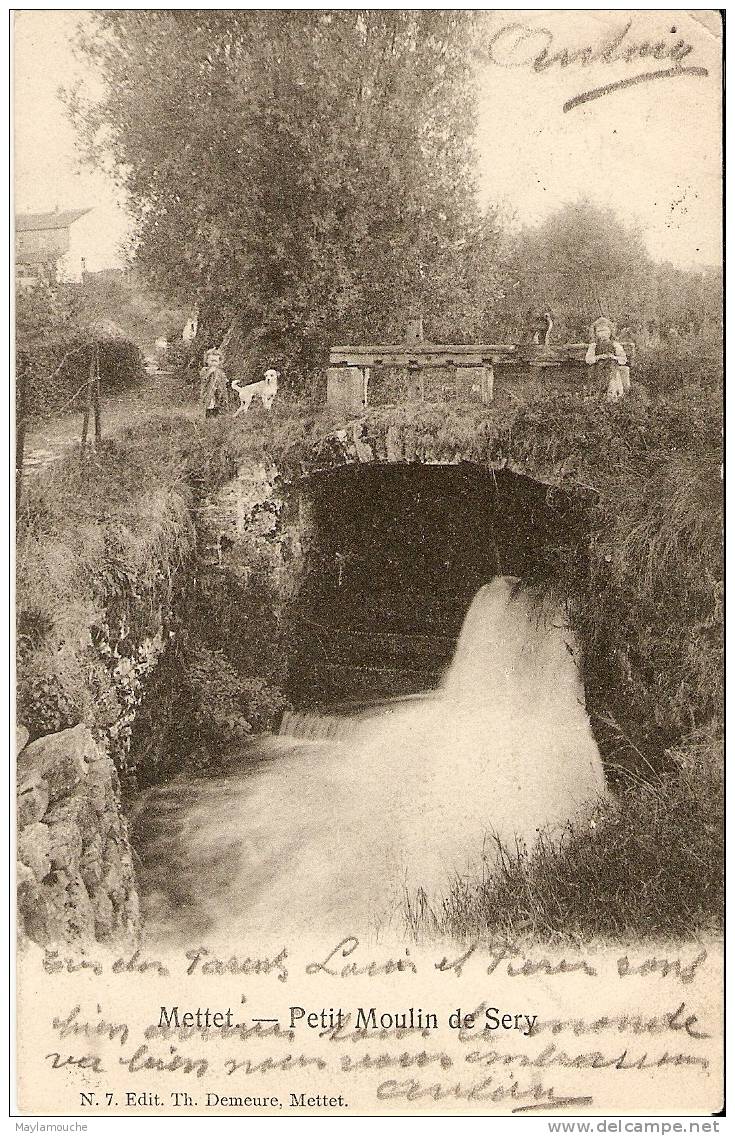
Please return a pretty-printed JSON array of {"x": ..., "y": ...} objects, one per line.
[{"x": 353, "y": 823}]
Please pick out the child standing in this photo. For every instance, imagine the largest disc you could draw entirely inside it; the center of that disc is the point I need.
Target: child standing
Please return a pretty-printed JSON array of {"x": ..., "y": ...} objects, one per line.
[
  {"x": 608, "y": 358},
  {"x": 213, "y": 384}
]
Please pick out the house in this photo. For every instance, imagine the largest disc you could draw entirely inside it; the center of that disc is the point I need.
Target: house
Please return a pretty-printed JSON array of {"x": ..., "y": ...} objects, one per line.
[{"x": 58, "y": 241}]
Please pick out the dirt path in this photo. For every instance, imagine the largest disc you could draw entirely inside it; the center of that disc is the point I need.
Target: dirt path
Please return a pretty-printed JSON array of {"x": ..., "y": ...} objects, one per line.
[{"x": 158, "y": 394}]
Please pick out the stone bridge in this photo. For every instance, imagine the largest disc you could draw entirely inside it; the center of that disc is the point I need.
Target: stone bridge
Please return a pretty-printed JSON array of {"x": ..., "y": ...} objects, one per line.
[{"x": 374, "y": 544}]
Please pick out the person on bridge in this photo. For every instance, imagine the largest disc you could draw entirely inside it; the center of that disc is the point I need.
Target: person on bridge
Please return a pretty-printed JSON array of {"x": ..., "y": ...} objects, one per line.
[{"x": 608, "y": 358}]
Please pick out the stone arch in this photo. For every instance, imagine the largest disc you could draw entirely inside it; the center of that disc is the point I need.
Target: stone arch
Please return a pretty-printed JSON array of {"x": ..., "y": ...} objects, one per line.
[{"x": 396, "y": 552}]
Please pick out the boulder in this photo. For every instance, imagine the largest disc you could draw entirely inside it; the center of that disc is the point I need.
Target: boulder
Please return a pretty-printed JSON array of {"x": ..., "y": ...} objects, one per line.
[
  {"x": 33, "y": 798},
  {"x": 100, "y": 785},
  {"x": 79, "y": 912},
  {"x": 39, "y": 916},
  {"x": 393, "y": 444},
  {"x": 60, "y": 759},
  {"x": 34, "y": 849},
  {"x": 409, "y": 444},
  {"x": 62, "y": 912},
  {"x": 25, "y": 880},
  {"x": 104, "y": 914},
  {"x": 77, "y": 810},
  {"x": 114, "y": 881},
  {"x": 90, "y": 865},
  {"x": 21, "y": 738},
  {"x": 66, "y": 846}
]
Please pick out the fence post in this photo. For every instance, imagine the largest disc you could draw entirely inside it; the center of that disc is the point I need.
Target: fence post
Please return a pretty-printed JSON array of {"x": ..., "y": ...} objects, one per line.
[
  {"x": 96, "y": 398},
  {"x": 88, "y": 403}
]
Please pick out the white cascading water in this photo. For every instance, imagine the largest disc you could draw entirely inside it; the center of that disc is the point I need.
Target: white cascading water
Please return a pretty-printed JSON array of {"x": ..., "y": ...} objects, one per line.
[{"x": 337, "y": 835}]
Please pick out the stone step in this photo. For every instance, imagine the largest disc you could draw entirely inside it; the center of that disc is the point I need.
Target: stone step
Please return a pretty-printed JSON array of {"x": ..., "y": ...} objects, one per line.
[
  {"x": 377, "y": 648},
  {"x": 365, "y": 683},
  {"x": 390, "y": 613}
]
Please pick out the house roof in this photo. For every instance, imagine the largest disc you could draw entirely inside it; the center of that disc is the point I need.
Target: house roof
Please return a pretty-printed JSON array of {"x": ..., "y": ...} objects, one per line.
[{"x": 27, "y": 222}]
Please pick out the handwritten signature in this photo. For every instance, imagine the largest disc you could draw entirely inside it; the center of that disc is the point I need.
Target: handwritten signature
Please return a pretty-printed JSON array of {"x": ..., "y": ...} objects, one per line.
[{"x": 516, "y": 45}]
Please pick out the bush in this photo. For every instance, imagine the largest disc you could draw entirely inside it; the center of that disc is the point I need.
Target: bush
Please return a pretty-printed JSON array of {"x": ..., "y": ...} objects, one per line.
[
  {"x": 677, "y": 364},
  {"x": 225, "y": 706},
  {"x": 55, "y": 348}
]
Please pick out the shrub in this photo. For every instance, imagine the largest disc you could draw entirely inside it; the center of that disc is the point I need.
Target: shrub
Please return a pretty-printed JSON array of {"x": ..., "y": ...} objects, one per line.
[
  {"x": 220, "y": 698},
  {"x": 224, "y": 706},
  {"x": 681, "y": 363}
]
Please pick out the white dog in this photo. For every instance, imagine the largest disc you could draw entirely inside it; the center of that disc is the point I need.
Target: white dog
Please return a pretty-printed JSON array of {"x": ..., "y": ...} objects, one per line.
[{"x": 266, "y": 390}]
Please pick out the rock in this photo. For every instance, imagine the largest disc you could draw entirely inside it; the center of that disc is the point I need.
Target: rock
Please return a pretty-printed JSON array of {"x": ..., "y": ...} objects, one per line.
[
  {"x": 363, "y": 448},
  {"x": 90, "y": 864},
  {"x": 114, "y": 881},
  {"x": 33, "y": 798},
  {"x": 61, "y": 759},
  {"x": 75, "y": 876},
  {"x": 21, "y": 738},
  {"x": 34, "y": 849},
  {"x": 77, "y": 810},
  {"x": 106, "y": 821},
  {"x": 66, "y": 846},
  {"x": 104, "y": 914},
  {"x": 99, "y": 785},
  {"x": 129, "y": 916},
  {"x": 79, "y": 912},
  {"x": 77, "y": 918},
  {"x": 25, "y": 880},
  {"x": 41, "y": 916},
  {"x": 409, "y": 444}
]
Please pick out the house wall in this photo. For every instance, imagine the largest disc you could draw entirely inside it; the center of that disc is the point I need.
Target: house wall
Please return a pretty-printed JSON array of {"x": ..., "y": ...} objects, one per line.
[
  {"x": 76, "y": 256},
  {"x": 91, "y": 241}
]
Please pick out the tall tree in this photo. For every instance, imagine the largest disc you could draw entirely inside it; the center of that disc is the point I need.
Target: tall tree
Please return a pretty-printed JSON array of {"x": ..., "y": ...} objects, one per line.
[
  {"x": 582, "y": 262},
  {"x": 309, "y": 172}
]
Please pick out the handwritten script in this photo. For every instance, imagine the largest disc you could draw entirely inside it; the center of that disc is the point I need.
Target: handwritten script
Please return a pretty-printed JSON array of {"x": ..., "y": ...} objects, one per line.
[
  {"x": 502, "y": 1027},
  {"x": 516, "y": 45}
]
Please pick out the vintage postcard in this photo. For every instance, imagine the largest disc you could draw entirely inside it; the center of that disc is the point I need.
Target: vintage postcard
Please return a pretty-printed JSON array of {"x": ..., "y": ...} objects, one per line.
[{"x": 369, "y": 589}]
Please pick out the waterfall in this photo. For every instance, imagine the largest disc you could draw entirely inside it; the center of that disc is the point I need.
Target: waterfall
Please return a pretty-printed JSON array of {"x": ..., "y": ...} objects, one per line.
[
  {"x": 302, "y": 725},
  {"x": 338, "y": 835}
]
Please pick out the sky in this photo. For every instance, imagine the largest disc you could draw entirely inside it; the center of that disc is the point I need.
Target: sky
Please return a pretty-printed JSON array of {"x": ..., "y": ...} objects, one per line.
[{"x": 650, "y": 151}]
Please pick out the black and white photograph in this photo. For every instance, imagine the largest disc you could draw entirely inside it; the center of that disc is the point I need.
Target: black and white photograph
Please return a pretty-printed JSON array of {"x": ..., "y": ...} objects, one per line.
[{"x": 369, "y": 585}]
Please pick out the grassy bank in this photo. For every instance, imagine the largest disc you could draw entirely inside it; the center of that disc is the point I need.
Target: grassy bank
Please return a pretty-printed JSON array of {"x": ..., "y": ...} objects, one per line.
[
  {"x": 101, "y": 549},
  {"x": 648, "y": 865},
  {"x": 115, "y": 627}
]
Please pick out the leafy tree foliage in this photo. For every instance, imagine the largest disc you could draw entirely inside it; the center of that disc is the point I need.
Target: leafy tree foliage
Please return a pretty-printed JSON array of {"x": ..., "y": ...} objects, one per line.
[
  {"x": 689, "y": 301},
  {"x": 580, "y": 263},
  {"x": 583, "y": 261},
  {"x": 308, "y": 172}
]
